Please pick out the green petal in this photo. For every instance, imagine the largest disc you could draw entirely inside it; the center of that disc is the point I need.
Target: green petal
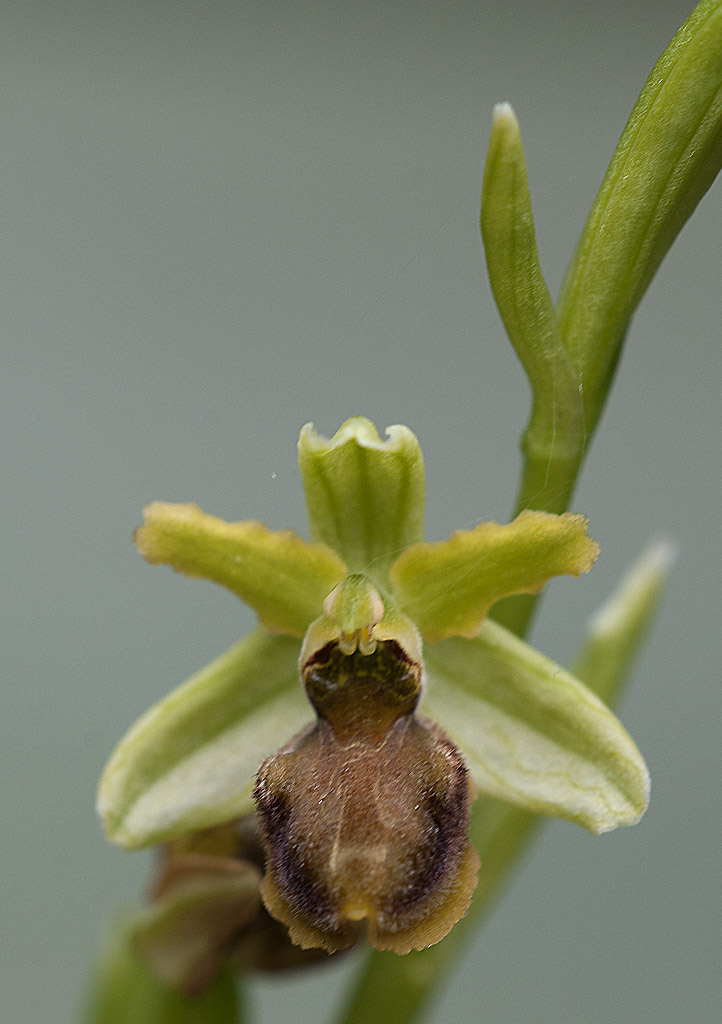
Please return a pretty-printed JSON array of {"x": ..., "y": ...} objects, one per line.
[
  {"x": 280, "y": 575},
  {"x": 447, "y": 588},
  {"x": 555, "y": 430},
  {"x": 668, "y": 156},
  {"x": 190, "y": 761},
  {"x": 532, "y": 734},
  {"x": 365, "y": 496}
]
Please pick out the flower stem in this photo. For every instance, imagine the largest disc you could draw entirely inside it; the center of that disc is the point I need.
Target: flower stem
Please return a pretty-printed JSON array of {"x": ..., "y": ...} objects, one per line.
[
  {"x": 547, "y": 483},
  {"x": 124, "y": 991}
]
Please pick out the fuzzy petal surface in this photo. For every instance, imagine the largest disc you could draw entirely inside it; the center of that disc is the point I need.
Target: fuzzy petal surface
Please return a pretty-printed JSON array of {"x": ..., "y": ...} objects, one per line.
[
  {"x": 446, "y": 588},
  {"x": 280, "y": 575}
]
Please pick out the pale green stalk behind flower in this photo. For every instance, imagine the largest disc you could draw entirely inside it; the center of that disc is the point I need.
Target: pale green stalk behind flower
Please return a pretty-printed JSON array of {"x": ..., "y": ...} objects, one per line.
[
  {"x": 124, "y": 991},
  {"x": 555, "y": 433}
]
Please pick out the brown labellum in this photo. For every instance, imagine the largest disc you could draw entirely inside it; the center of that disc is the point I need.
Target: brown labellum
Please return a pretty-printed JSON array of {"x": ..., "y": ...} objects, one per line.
[{"x": 364, "y": 814}]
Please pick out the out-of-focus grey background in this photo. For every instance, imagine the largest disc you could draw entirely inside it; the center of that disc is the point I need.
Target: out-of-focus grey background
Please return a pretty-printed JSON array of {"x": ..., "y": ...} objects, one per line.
[{"x": 221, "y": 220}]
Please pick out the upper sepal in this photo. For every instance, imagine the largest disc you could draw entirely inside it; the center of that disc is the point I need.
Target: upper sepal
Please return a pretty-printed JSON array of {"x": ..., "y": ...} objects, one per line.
[
  {"x": 365, "y": 496},
  {"x": 447, "y": 588},
  {"x": 532, "y": 734}
]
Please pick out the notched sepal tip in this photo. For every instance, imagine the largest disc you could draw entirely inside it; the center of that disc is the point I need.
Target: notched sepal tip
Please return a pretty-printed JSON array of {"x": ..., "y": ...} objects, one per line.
[
  {"x": 365, "y": 495},
  {"x": 361, "y": 431}
]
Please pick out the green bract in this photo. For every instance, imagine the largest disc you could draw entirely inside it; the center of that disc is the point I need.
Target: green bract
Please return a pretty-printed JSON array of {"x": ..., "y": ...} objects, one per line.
[
  {"x": 531, "y": 733},
  {"x": 555, "y": 434}
]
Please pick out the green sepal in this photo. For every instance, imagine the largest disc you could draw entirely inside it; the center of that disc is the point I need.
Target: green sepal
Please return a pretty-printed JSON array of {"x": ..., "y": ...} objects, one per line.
[
  {"x": 446, "y": 588},
  {"x": 190, "y": 761},
  {"x": 280, "y": 575},
  {"x": 532, "y": 734},
  {"x": 365, "y": 496},
  {"x": 666, "y": 159},
  {"x": 125, "y": 991},
  {"x": 555, "y": 430}
]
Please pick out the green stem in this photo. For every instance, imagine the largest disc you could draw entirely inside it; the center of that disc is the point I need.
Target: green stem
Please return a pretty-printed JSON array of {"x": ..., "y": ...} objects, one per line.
[
  {"x": 124, "y": 991},
  {"x": 547, "y": 483}
]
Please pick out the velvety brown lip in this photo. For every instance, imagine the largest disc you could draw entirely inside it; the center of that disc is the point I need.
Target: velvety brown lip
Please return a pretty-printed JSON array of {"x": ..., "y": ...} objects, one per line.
[{"x": 364, "y": 814}]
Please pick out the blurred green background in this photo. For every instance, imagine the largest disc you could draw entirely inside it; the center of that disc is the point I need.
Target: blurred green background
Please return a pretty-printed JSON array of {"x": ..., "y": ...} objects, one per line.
[{"x": 221, "y": 220}]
